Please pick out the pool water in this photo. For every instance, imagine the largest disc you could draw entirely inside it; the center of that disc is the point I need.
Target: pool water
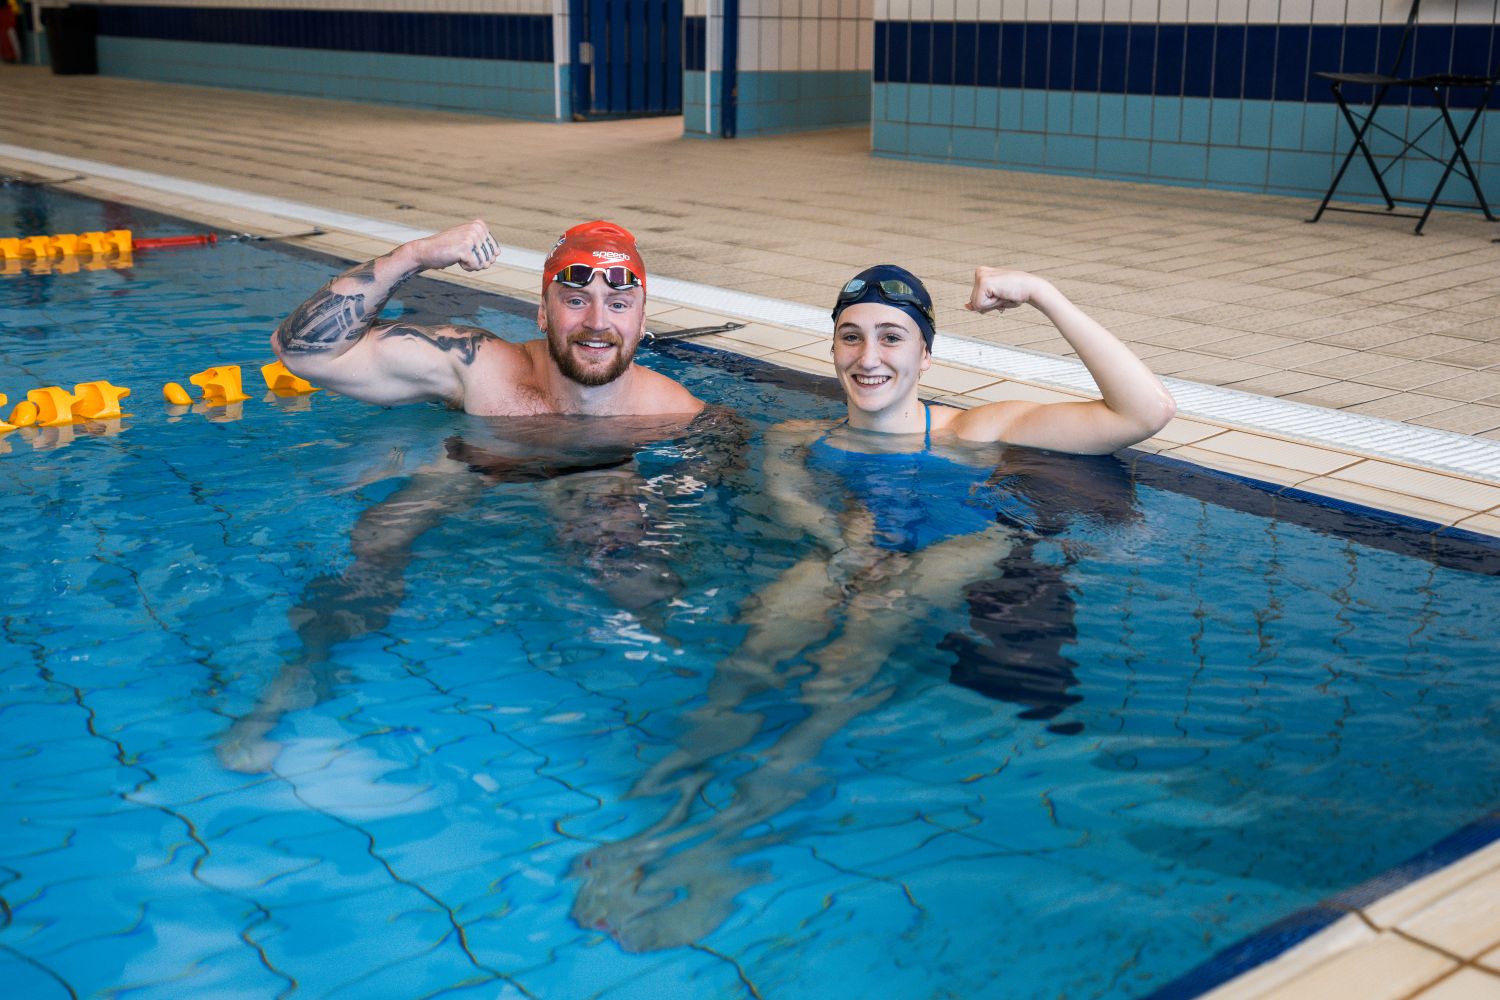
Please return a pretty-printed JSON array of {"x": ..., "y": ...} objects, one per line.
[{"x": 287, "y": 707}]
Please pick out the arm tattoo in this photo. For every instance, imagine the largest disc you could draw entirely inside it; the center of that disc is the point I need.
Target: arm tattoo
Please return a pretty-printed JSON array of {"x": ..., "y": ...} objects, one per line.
[
  {"x": 329, "y": 318},
  {"x": 466, "y": 342}
]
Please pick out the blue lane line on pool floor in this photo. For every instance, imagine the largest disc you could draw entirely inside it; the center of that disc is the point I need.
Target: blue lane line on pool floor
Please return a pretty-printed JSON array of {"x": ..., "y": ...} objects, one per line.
[{"x": 1463, "y": 454}]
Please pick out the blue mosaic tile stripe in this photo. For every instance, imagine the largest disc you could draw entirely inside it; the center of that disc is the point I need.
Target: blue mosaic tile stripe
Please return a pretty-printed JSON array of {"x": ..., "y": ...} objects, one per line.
[
  {"x": 1177, "y": 60},
  {"x": 694, "y": 43},
  {"x": 1285, "y": 934},
  {"x": 515, "y": 37}
]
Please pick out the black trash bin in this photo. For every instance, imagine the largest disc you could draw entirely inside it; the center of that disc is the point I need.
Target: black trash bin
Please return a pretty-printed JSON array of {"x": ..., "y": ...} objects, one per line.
[{"x": 71, "y": 34}]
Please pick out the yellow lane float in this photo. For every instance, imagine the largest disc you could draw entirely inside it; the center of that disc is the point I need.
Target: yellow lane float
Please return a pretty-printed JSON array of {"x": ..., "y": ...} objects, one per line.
[
  {"x": 283, "y": 382},
  {"x": 24, "y": 414},
  {"x": 54, "y": 405},
  {"x": 220, "y": 385},
  {"x": 98, "y": 400},
  {"x": 66, "y": 245}
]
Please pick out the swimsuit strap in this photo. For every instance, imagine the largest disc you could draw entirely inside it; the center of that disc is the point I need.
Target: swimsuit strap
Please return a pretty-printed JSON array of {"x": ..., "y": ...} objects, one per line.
[{"x": 824, "y": 436}]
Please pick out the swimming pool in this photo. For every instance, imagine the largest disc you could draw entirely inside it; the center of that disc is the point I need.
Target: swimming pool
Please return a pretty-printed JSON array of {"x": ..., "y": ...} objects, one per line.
[{"x": 1178, "y": 711}]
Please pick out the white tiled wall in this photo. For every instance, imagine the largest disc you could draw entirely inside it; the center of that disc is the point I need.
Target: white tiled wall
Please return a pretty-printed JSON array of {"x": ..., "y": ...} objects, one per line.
[{"x": 805, "y": 34}]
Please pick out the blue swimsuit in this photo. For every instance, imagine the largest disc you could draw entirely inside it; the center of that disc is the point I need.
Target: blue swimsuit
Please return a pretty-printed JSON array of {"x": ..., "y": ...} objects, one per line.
[{"x": 920, "y": 498}]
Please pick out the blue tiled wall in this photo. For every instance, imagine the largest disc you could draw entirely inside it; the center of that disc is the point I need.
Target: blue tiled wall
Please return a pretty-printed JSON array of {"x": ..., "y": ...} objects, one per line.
[
  {"x": 791, "y": 101},
  {"x": 489, "y": 63},
  {"x": 489, "y": 86},
  {"x": 694, "y": 106},
  {"x": 1233, "y": 106}
]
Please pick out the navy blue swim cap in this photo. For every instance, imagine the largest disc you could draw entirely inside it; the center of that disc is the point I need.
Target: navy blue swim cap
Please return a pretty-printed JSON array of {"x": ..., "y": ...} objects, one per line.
[{"x": 893, "y": 286}]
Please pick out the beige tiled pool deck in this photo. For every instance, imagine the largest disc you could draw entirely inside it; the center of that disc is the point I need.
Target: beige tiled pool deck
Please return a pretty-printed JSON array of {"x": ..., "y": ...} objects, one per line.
[{"x": 1353, "y": 315}]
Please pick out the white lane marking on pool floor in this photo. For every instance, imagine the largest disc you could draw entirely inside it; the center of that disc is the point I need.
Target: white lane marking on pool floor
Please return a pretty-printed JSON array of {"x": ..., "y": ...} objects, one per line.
[{"x": 1422, "y": 446}]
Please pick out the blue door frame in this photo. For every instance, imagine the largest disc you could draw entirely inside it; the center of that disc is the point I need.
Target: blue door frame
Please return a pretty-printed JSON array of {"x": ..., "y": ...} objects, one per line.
[{"x": 626, "y": 58}]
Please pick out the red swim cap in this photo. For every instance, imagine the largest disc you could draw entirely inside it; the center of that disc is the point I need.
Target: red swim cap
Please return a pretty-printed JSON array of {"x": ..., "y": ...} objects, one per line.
[{"x": 597, "y": 244}]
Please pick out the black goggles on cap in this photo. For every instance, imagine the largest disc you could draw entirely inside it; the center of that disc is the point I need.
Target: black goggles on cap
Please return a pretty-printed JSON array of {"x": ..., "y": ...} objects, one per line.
[
  {"x": 893, "y": 290},
  {"x": 616, "y": 276}
]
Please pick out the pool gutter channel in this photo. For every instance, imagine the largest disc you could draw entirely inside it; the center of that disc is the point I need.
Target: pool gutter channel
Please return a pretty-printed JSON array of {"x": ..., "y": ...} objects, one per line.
[{"x": 1438, "y": 480}]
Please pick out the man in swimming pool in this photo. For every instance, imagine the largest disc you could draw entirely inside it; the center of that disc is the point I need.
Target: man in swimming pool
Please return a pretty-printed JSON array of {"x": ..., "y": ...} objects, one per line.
[{"x": 592, "y": 315}]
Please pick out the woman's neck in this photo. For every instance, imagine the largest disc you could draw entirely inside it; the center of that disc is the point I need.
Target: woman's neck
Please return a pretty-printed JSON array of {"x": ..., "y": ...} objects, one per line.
[{"x": 905, "y": 417}]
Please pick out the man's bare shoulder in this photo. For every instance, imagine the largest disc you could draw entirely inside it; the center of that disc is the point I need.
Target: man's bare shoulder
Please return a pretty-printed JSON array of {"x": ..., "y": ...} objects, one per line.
[
  {"x": 503, "y": 380},
  {"x": 655, "y": 393}
]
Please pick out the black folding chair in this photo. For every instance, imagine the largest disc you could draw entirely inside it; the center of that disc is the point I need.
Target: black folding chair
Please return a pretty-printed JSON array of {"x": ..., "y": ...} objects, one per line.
[{"x": 1441, "y": 86}]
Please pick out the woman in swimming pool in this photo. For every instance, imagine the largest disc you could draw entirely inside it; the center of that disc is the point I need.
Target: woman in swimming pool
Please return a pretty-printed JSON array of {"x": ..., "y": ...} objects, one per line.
[
  {"x": 883, "y": 342},
  {"x": 923, "y": 505}
]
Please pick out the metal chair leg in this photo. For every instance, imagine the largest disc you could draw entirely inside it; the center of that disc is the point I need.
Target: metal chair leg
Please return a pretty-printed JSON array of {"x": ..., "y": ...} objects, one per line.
[{"x": 1359, "y": 128}]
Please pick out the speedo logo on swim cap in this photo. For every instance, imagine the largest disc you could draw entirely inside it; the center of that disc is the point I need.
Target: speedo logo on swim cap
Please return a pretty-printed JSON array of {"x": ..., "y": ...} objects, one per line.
[{"x": 611, "y": 255}]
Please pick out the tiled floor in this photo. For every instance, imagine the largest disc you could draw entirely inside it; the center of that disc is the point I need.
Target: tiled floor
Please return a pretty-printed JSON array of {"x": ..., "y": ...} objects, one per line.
[{"x": 1215, "y": 288}]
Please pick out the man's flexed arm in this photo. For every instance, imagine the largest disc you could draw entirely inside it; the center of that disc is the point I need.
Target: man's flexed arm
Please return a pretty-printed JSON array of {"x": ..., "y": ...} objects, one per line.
[{"x": 326, "y": 339}]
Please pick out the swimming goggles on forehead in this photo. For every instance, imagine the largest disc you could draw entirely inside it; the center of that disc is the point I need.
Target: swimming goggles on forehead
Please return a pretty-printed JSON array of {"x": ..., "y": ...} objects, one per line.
[
  {"x": 893, "y": 290},
  {"x": 616, "y": 276}
]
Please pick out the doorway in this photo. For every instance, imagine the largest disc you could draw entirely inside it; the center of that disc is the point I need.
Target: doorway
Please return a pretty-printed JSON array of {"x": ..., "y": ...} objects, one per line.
[{"x": 626, "y": 58}]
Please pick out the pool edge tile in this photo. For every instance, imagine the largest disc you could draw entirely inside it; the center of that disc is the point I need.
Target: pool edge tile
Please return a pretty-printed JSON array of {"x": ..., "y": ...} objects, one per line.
[
  {"x": 1409, "y": 900},
  {"x": 1484, "y": 524},
  {"x": 1405, "y": 504},
  {"x": 1468, "y": 983},
  {"x": 1464, "y": 922},
  {"x": 1236, "y": 465},
  {"x": 1387, "y": 966},
  {"x": 1344, "y": 934},
  {"x": 1267, "y": 450}
]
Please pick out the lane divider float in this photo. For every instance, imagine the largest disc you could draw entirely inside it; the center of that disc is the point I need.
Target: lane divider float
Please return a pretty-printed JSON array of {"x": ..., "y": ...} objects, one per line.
[
  {"x": 67, "y": 253},
  {"x": 54, "y": 406},
  {"x": 284, "y": 383}
]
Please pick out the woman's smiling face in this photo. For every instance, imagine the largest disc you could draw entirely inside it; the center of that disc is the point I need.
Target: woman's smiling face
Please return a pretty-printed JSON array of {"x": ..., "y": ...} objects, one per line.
[{"x": 878, "y": 355}]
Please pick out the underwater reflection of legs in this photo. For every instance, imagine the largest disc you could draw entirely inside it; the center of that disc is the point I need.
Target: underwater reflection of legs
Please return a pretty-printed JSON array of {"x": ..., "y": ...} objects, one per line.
[
  {"x": 622, "y": 536},
  {"x": 356, "y": 602},
  {"x": 593, "y": 500},
  {"x": 675, "y": 882},
  {"x": 1024, "y": 621}
]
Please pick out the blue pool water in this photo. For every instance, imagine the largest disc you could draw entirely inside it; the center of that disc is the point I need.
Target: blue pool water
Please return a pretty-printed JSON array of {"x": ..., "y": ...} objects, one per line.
[{"x": 509, "y": 756}]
